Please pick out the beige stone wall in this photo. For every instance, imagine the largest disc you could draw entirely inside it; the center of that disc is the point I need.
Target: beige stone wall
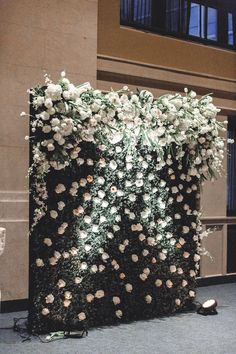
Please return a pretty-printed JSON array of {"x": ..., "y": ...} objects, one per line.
[{"x": 35, "y": 37}]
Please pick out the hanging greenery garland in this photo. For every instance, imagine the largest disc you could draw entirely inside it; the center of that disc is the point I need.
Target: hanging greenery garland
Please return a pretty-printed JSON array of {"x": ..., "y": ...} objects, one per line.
[{"x": 115, "y": 177}]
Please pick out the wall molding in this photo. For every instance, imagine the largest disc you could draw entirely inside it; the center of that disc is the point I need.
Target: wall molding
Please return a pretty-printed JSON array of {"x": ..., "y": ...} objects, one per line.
[
  {"x": 165, "y": 68},
  {"x": 229, "y": 220},
  {"x": 216, "y": 280},
  {"x": 14, "y": 305}
]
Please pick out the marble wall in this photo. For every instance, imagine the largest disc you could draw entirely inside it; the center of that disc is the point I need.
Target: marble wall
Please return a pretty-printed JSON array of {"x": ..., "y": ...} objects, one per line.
[{"x": 35, "y": 37}]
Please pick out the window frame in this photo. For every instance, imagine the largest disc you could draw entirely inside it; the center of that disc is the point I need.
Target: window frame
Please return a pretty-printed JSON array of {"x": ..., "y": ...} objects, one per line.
[
  {"x": 231, "y": 128},
  {"x": 222, "y": 20}
]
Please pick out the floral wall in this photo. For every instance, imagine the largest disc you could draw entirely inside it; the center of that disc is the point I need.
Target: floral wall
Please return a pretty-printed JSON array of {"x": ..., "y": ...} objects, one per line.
[{"x": 114, "y": 180}]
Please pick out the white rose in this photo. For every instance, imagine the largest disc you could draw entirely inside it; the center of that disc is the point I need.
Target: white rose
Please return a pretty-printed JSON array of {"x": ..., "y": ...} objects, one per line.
[
  {"x": 144, "y": 165},
  {"x": 146, "y": 197},
  {"x": 87, "y": 248},
  {"x": 145, "y": 252},
  {"x": 46, "y": 129},
  {"x": 101, "y": 194},
  {"x": 162, "y": 183},
  {"x": 39, "y": 100},
  {"x": 143, "y": 276},
  {"x": 119, "y": 313},
  {"x": 177, "y": 302},
  {"x": 89, "y": 297},
  {"x": 148, "y": 299},
  {"x": 102, "y": 219},
  {"x": 66, "y": 255},
  {"x": 113, "y": 165},
  {"x": 145, "y": 213},
  {"x": 99, "y": 294},
  {"x": 180, "y": 271},
  {"x": 61, "y": 205},
  {"x": 142, "y": 237},
  {"x": 128, "y": 287},
  {"x": 44, "y": 115},
  {"x": 132, "y": 197},
  {"x": 120, "y": 193},
  {"x": 81, "y": 316},
  {"x": 113, "y": 210},
  {"x": 116, "y": 300},
  {"x": 101, "y": 180},
  {"x": 61, "y": 283},
  {"x": 129, "y": 166},
  {"x": 120, "y": 174},
  {"x": 162, "y": 256},
  {"x": 169, "y": 284},
  {"x": 196, "y": 257},
  {"x": 53, "y": 261},
  {"x": 158, "y": 283},
  {"x": 134, "y": 258},
  {"x": 50, "y": 147},
  {"x": 68, "y": 295},
  {"x": 174, "y": 190},
  {"x": 39, "y": 262},
  {"x": 60, "y": 188},
  {"x": 87, "y": 219},
  {"x": 139, "y": 183},
  {"x": 179, "y": 198},
  {"x": 186, "y": 254},
  {"x": 49, "y": 299},
  {"x": 146, "y": 271},
  {"x": 105, "y": 203},
  {"x": 53, "y": 214},
  {"x": 185, "y": 229},
  {"x": 172, "y": 268},
  {"x": 110, "y": 235},
  {"x": 82, "y": 234},
  {"x": 116, "y": 228},
  {"x": 94, "y": 268},
  {"x": 48, "y": 103},
  {"x": 192, "y": 293},
  {"x": 128, "y": 184},
  {"x": 121, "y": 248},
  {"x": 101, "y": 267},
  {"x": 160, "y": 131},
  {"x": 105, "y": 256},
  {"x": 138, "y": 227},
  {"x": 95, "y": 228},
  {"x": 84, "y": 266},
  {"x": 78, "y": 280},
  {"x": 47, "y": 241},
  {"x": 45, "y": 311},
  {"x": 151, "y": 241}
]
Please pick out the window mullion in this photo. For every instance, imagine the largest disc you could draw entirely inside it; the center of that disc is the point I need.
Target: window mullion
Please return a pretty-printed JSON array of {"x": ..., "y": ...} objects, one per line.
[
  {"x": 205, "y": 21},
  {"x": 222, "y": 22}
]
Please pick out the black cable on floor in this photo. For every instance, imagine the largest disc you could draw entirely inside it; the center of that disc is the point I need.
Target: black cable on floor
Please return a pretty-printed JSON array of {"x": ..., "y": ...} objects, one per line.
[{"x": 23, "y": 332}]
